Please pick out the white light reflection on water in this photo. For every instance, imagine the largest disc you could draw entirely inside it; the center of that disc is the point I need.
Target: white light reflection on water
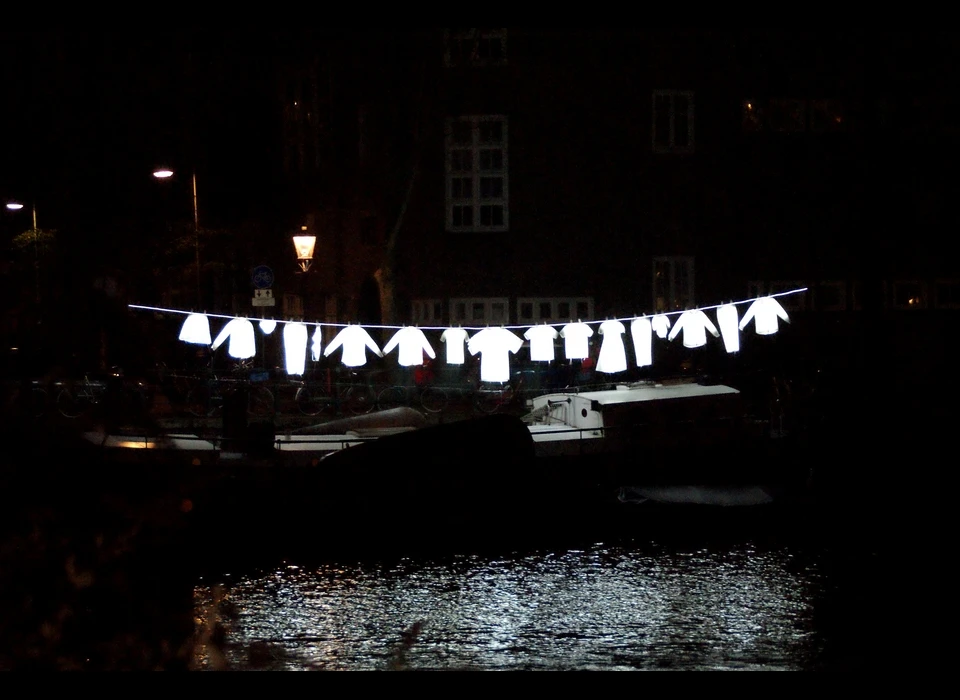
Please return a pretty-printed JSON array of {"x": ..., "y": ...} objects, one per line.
[{"x": 597, "y": 609}]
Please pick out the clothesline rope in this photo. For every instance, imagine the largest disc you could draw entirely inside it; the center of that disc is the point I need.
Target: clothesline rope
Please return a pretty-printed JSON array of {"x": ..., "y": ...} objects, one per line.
[{"x": 253, "y": 319}]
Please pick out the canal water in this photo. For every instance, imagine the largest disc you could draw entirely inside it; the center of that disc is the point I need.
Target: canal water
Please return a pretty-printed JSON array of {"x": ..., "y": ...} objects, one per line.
[{"x": 798, "y": 589}]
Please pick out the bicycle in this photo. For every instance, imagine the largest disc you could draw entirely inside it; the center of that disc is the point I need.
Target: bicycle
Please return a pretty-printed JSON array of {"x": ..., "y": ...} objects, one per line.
[
  {"x": 432, "y": 399},
  {"x": 489, "y": 400},
  {"x": 76, "y": 399},
  {"x": 205, "y": 400}
]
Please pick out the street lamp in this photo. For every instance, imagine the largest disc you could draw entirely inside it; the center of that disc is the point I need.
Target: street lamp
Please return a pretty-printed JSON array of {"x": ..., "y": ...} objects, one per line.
[
  {"x": 164, "y": 174},
  {"x": 17, "y": 206},
  {"x": 304, "y": 244}
]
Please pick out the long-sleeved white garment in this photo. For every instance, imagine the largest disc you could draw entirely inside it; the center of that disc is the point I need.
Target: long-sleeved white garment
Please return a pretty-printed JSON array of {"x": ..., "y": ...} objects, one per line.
[
  {"x": 196, "y": 330},
  {"x": 576, "y": 344},
  {"x": 243, "y": 344},
  {"x": 495, "y": 346},
  {"x": 766, "y": 311},
  {"x": 355, "y": 340},
  {"x": 642, "y": 332},
  {"x": 661, "y": 324},
  {"x": 454, "y": 339},
  {"x": 541, "y": 343},
  {"x": 694, "y": 323},
  {"x": 295, "y": 347},
  {"x": 317, "y": 345},
  {"x": 613, "y": 356},
  {"x": 727, "y": 319},
  {"x": 413, "y": 343}
]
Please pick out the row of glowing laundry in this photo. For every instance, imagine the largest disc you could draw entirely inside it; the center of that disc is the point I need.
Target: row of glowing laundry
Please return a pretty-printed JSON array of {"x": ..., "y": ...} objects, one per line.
[{"x": 495, "y": 344}]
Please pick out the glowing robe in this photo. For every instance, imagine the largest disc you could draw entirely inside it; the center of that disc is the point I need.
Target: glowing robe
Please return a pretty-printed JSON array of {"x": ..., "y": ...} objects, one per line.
[
  {"x": 661, "y": 324},
  {"x": 641, "y": 330},
  {"x": 727, "y": 319},
  {"x": 295, "y": 347},
  {"x": 613, "y": 356}
]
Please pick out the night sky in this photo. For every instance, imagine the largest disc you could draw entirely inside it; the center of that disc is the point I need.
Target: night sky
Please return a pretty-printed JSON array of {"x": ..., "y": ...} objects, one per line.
[{"x": 89, "y": 115}]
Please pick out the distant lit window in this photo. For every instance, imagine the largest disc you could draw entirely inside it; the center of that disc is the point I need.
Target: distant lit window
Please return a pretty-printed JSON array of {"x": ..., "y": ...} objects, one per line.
[
  {"x": 482, "y": 311},
  {"x": 831, "y": 296},
  {"x": 793, "y": 302},
  {"x": 427, "y": 311},
  {"x": 673, "y": 283},
  {"x": 477, "y": 182},
  {"x": 787, "y": 115},
  {"x": 672, "y": 121},
  {"x": 554, "y": 310},
  {"x": 478, "y": 47},
  {"x": 753, "y": 114},
  {"x": 948, "y": 294},
  {"x": 908, "y": 295}
]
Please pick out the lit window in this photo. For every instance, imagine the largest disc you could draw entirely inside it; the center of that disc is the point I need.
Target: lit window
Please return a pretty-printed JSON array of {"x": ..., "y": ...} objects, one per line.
[
  {"x": 908, "y": 295},
  {"x": 475, "y": 47},
  {"x": 482, "y": 311}
]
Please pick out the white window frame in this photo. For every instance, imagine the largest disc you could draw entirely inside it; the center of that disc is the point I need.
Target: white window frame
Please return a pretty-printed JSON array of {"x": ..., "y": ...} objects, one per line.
[
  {"x": 487, "y": 302},
  {"x": 674, "y": 299},
  {"x": 422, "y": 311},
  {"x": 476, "y": 200},
  {"x": 839, "y": 285},
  {"x": 555, "y": 303},
  {"x": 480, "y": 34},
  {"x": 921, "y": 297},
  {"x": 794, "y": 302},
  {"x": 936, "y": 294},
  {"x": 671, "y": 146}
]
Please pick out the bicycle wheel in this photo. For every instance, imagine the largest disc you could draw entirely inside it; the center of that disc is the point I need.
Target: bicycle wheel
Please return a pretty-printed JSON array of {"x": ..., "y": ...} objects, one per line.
[
  {"x": 198, "y": 402},
  {"x": 433, "y": 399},
  {"x": 391, "y": 397},
  {"x": 70, "y": 404},
  {"x": 311, "y": 401},
  {"x": 359, "y": 400},
  {"x": 488, "y": 402},
  {"x": 260, "y": 402}
]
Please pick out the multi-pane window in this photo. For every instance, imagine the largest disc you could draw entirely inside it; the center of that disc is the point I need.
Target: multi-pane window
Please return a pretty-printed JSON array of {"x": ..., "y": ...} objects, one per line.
[
  {"x": 477, "y": 183},
  {"x": 908, "y": 295},
  {"x": 557, "y": 310},
  {"x": 672, "y": 121},
  {"x": 791, "y": 302},
  {"x": 947, "y": 294},
  {"x": 831, "y": 296},
  {"x": 673, "y": 284},
  {"x": 427, "y": 311},
  {"x": 479, "y": 311},
  {"x": 483, "y": 46}
]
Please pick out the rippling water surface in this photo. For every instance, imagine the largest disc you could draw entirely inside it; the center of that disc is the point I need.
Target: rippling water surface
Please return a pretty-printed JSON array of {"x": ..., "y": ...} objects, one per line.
[{"x": 733, "y": 604}]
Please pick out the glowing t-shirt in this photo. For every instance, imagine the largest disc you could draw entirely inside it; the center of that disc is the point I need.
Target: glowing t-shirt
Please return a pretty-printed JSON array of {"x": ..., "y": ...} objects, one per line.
[
  {"x": 575, "y": 337},
  {"x": 661, "y": 324},
  {"x": 541, "y": 343},
  {"x": 454, "y": 338},
  {"x": 494, "y": 346}
]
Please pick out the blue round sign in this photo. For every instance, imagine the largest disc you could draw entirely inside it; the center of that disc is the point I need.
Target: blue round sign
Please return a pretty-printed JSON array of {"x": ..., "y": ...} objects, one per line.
[{"x": 262, "y": 277}]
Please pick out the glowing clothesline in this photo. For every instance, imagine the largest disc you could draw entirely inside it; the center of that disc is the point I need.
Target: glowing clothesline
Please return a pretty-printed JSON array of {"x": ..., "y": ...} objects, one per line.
[{"x": 469, "y": 328}]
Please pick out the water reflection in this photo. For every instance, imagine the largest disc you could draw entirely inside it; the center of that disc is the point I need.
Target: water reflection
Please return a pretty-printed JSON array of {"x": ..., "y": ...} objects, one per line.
[{"x": 597, "y": 608}]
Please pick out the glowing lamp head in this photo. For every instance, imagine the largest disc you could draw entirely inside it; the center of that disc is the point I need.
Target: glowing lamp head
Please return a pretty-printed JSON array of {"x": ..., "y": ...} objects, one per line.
[
  {"x": 14, "y": 206},
  {"x": 304, "y": 245},
  {"x": 162, "y": 173}
]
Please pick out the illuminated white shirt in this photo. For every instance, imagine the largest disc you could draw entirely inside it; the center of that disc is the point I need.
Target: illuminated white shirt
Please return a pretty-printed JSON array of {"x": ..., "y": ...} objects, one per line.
[
  {"x": 243, "y": 344},
  {"x": 613, "y": 356},
  {"x": 317, "y": 344},
  {"x": 355, "y": 340},
  {"x": 495, "y": 346},
  {"x": 661, "y": 324},
  {"x": 268, "y": 326},
  {"x": 541, "y": 343},
  {"x": 196, "y": 330},
  {"x": 413, "y": 343},
  {"x": 575, "y": 337},
  {"x": 727, "y": 319},
  {"x": 642, "y": 332},
  {"x": 765, "y": 311},
  {"x": 454, "y": 338},
  {"x": 295, "y": 347},
  {"x": 694, "y": 325}
]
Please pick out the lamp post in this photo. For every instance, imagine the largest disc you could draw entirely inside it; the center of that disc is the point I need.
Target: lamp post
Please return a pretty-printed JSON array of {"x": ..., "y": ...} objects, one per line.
[
  {"x": 17, "y": 206},
  {"x": 166, "y": 173},
  {"x": 304, "y": 243}
]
